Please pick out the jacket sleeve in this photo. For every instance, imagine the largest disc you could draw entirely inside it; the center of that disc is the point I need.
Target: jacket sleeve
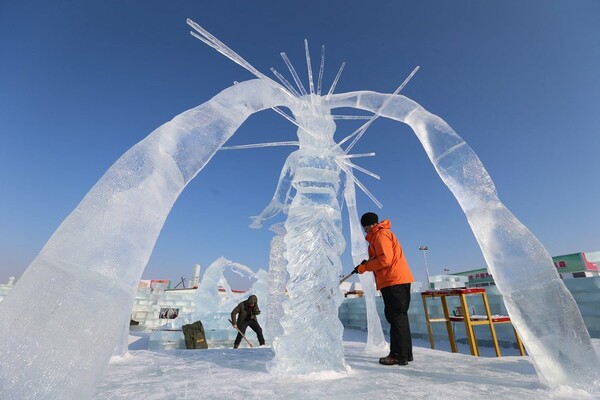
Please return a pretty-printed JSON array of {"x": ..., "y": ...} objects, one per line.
[
  {"x": 234, "y": 313},
  {"x": 383, "y": 254}
]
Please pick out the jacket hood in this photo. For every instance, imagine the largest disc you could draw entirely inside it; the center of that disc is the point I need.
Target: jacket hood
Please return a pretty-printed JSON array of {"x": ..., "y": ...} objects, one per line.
[
  {"x": 385, "y": 224},
  {"x": 252, "y": 299}
]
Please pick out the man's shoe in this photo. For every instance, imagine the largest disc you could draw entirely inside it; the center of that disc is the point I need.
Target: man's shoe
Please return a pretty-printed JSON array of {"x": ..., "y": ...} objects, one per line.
[
  {"x": 388, "y": 360},
  {"x": 391, "y": 360}
]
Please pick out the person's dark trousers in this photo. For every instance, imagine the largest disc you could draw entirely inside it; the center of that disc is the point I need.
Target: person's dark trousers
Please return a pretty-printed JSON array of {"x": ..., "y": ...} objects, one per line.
[
  {"x": 252, "y": 323},
  {"x": 396, "y": 300}
]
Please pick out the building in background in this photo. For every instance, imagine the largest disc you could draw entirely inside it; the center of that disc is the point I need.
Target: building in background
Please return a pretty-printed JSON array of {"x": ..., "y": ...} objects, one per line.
[
  {"x": 569, "y": 266},
  {"x": 448, "y": 281},
  {"x": 577, "y": 265}
]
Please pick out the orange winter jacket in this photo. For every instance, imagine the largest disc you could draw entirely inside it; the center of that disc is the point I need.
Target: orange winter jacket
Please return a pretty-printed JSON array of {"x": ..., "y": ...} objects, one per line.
[{"x": 386, "y": 257}]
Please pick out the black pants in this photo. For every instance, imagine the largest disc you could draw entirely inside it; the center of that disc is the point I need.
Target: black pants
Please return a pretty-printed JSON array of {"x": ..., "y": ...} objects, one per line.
[
  {"x": 252, "y": 323},
  {"x": 396, "y": 300}
]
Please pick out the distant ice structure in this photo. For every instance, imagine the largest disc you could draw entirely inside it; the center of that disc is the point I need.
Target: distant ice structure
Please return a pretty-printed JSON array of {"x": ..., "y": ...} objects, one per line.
[
  {"x": 196, "y": 278},
  {"x": 214, "y": 309},
  {"x": 68, "y": 327},
  {"x": 207, "y": 298}
]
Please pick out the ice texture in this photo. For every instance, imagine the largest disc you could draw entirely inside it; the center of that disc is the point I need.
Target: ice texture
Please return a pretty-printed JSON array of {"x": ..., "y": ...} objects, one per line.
[
  {"x": 122, "y": 342},
  {"x": 67, "y": 328},
  {"x": 277, "y": 282}
]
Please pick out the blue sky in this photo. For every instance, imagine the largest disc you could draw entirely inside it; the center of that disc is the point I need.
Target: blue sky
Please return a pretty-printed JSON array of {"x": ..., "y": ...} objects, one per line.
[{"x": 82, "y": 82}]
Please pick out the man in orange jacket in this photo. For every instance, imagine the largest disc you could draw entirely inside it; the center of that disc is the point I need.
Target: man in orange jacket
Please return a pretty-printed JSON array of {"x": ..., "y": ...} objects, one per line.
[{"x": 393, "y": 278}]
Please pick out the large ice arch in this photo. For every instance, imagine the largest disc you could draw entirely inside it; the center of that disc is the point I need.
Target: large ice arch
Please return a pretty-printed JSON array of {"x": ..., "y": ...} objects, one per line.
[{"x": 56, "y": 338}]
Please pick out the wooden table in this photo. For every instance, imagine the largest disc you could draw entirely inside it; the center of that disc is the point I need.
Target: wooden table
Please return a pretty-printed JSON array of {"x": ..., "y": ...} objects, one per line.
[{"x": 469, "y": 320}]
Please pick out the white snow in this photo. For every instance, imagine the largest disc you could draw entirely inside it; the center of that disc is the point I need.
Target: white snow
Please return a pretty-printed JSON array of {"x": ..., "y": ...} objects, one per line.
[{"x": 227, "y": 373}]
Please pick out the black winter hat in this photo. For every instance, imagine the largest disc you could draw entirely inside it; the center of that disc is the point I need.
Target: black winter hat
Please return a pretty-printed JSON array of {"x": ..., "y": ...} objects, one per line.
[{"x": 369, "y": 219}]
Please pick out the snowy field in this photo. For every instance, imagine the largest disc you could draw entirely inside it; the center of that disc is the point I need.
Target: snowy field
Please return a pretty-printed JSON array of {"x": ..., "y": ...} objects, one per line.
[{"x": 242, "y": 374}]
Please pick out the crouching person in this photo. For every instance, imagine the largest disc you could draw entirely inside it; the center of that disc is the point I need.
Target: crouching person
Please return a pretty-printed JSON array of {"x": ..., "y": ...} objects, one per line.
[{"x": 243, "y": 316}]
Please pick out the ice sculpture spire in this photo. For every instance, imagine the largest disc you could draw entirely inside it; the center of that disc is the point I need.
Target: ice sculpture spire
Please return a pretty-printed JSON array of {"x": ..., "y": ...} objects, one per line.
[
  {"x": 207, "y": 38},
  {"x": 319, "y": 173}
]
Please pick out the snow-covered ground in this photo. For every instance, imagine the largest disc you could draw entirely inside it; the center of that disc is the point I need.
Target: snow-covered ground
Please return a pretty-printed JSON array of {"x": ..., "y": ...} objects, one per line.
[{"x": 242, "y": 374}]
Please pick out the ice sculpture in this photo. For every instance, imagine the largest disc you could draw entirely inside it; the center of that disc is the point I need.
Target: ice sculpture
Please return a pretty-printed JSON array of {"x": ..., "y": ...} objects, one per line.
[
  {"x": 214, "y": 309},
  {"x": 207, "y": 298},
  {"x": 68, "y": 327},
  {"x": 376, "y": 343},
  {"x": 313, "y": 246}
]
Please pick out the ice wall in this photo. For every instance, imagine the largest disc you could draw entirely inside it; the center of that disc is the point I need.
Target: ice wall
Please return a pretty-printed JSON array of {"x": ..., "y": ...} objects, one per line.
[
  {"x": 68, "y": 327},
  {"x": 541, "y": 308}
]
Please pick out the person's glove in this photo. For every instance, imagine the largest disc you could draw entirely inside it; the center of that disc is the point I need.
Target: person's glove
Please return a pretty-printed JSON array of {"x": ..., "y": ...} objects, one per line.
[{"x": 355, "y": 270}]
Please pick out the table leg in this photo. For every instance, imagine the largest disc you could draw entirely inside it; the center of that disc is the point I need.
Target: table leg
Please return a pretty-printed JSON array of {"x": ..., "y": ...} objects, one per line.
[
  {"x": 469, "y": 326},
  {"x": 429, "y": 331},
  {"x": 519, "y": 343},
  {"x": 491, "y": 323},
  {"x": 449, "y": 325}
]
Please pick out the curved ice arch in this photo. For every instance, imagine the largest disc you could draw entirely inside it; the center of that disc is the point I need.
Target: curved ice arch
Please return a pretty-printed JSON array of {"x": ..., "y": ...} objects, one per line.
[
  {"x": 540, "y": 306},
  {"x": 62, "y": 319}
]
